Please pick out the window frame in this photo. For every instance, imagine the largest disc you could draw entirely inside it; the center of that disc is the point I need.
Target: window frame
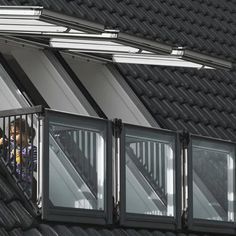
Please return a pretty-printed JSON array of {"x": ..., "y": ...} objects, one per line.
[
  {"x": 65, "y": 214},
  {"x": 204, "y": 225},
  {"x": 150, "y": 221}
]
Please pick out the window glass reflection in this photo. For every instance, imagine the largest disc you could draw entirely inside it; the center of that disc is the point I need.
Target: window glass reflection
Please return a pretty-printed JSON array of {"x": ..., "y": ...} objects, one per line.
[
  {"x": 213, "y": 180},
  {"x": 77, "y": 164},
  {"x": 150, "y": 181}
]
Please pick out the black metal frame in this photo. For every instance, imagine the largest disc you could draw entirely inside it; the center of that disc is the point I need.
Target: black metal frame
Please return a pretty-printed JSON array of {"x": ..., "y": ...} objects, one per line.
[
  {"x": 147, "y": 221},
  {"x": 201, "y": 225},
  {"x": 64, "y": 214}
]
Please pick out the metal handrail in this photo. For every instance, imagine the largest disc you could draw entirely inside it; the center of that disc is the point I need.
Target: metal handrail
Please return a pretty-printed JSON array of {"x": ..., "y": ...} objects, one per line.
[{"x": 22, "y": 111}]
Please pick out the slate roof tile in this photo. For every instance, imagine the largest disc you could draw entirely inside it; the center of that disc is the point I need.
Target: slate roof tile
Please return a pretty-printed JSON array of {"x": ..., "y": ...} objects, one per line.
[
  {"x": 3, "y": 232},
  {"x": 78, "y": 231},
  {"x": 16, "y": 232},
  {"x": 47, "y": 230},
  {"x": 21, "y": 214},
  {"x": 6, "y": 192},
  {"x": 7, "y": 217},
  {"x": 63, "y": 230},
  {"x": 32, "y": 232}
]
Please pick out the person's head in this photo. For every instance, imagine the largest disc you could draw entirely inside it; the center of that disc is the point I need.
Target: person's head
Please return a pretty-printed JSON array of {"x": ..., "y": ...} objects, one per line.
[{"x": 19, "y": 128}]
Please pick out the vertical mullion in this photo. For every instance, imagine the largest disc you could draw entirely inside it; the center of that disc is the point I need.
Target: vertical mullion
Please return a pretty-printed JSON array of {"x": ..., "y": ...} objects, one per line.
[
  {"x": 91, "y": 158},
  {"x": 32, "y": 161},
  {"x": 3, "y": 138},
  {"x": 146, "y": 154},
  {"x": 9, "y": 141},
  {"x": 21, "y": 159},
  {"x": 141, "y": 153},
  {"x": 95, "y": 160},
  {"x": 89, "y": 154},
  {"x": 152, "y": 159},
  {"x": 14, "y": 156},
  {"x": 163, "y": 167},
  {"x": 83, "y": 151},
  {"x": 77, "y": 149}
]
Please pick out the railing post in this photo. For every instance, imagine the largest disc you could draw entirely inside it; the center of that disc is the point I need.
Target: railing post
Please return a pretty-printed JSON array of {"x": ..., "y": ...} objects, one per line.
[
  {"x": 117, "y": 129},
  {"x": 184, "y": 139}
]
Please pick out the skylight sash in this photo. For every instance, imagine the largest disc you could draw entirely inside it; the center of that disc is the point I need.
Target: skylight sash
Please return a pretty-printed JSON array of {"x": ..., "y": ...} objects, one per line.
[
  {"x": 151, "y": 59},
  {"x": 97, "y": 46}
]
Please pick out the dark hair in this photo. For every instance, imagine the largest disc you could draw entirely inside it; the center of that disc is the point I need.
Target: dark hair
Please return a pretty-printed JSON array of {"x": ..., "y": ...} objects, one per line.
[{"x": 23, "y": 126}]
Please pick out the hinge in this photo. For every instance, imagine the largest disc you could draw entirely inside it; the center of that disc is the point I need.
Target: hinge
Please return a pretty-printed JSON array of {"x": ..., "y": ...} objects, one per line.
[
  {"x": 116, "y": 211},
  {"x": 185, "y": 138},
  {"x": 117, "y": 127},
  {"x": 185, "y": 218}
]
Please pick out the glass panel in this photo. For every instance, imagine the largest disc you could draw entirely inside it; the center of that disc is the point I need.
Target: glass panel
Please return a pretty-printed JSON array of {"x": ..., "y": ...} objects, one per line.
[
  {"x": 213, "y": 180},
  {"x": 150, "y": 174},
  {"x": 77, "y": 163},
  {"x": 10, "y": 96}
]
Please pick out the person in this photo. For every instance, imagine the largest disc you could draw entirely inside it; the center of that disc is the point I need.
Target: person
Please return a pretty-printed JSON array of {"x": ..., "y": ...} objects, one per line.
[{"x": 23, "y": 154}]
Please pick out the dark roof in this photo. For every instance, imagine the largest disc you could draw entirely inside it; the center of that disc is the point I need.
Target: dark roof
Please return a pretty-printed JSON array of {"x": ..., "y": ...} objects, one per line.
[{"x": 201, "y": 101}]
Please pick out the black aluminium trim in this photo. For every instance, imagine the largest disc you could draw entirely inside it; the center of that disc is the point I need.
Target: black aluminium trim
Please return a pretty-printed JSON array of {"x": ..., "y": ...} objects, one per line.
[
  {"x": 22, "y": 81},
  {"x": 109, "y": 199},
  {"x": 202, "y": 225},
  {"x": 79, "y": 84},
  {"x": 147, "y": 221},
  {"x": 122, "y": 178},
  {"x": 45, "y": 167},
  {"x": 62, "y": 214}
]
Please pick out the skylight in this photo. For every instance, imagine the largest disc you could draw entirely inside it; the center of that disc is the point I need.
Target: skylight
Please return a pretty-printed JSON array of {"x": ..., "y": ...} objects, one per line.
[{"x": 78, "y": 36}]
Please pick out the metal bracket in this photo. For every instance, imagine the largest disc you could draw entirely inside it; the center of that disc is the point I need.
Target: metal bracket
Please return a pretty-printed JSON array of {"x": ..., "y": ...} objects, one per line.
[
  {"x": 116, "y": 211},
  {"x": 185, "y": 138},
  {"x": 117, "y": 127},
  {"x": 185, "y": 219}
]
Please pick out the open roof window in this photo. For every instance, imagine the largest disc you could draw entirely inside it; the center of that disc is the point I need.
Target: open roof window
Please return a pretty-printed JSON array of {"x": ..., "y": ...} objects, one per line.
[
  {"x": 149, "y": 178},
  {"x": 49, "y": 29},
  {"x": 211, "y": 195}
]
